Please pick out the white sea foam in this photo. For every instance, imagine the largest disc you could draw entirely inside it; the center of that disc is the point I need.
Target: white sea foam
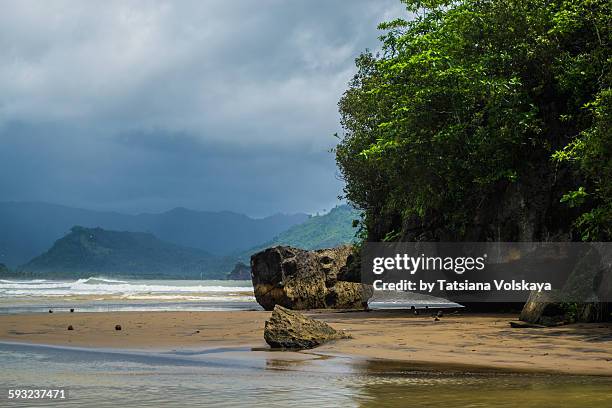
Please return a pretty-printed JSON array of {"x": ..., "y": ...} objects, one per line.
[{"x": 127, "y": 288}]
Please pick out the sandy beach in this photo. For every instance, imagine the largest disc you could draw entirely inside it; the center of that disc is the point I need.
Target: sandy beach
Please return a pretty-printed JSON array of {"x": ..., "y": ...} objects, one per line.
[{"x": 485, "y": 341}]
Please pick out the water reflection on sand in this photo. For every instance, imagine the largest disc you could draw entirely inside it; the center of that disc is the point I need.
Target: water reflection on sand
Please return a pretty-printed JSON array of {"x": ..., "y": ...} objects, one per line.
[{"x": 241, "y": 376}]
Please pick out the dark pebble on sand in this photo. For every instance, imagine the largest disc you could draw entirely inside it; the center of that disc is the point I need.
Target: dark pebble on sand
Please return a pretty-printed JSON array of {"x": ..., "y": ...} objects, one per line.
[
  {"x": 117, "y": 327},
  {"x": 70, "y": 327}
]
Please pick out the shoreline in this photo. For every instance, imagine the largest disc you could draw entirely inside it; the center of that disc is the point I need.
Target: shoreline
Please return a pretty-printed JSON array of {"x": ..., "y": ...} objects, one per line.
[
  {"x": 375, "y": 366},
  {"x": 460, "y": 342}
]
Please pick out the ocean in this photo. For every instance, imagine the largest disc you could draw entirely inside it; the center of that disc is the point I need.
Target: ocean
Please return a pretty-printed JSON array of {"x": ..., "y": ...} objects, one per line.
[{"x": 100, "y": 294}]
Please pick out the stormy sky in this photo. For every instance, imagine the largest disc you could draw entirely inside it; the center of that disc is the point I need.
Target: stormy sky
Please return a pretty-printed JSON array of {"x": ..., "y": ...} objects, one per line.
[{"x": 142, "y": 106}]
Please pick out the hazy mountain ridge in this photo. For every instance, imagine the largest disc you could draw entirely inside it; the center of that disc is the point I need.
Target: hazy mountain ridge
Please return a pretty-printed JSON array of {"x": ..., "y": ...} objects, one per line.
[
  {"x": 29, "y": 228},
  {"x": 86, "y": 251},
  {"x": 320, "y": 231},
  {"x": 95, "y": 251}
]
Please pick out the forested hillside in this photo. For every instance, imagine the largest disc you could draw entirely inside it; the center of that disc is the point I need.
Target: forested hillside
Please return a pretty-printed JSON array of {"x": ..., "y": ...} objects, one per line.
[
  {"x": 334, "y": 228},
  {"x": 29, "y": 228},
  {"x": 94, "y": 251}
]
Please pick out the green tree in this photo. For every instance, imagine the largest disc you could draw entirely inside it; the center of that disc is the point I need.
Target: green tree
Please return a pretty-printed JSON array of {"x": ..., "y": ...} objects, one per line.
[{"x": 475, "y": 109}]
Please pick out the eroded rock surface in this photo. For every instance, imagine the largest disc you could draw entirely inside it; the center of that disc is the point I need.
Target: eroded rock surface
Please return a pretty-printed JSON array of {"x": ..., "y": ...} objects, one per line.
[
  {"x": 299, "y": 279},
  {"x": 584, "y": 298},
  {"x": 290, "y": 329}
]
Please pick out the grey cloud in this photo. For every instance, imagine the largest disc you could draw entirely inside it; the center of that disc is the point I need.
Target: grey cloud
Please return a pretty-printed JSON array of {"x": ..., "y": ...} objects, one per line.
[{"x": 146, "y": 105}]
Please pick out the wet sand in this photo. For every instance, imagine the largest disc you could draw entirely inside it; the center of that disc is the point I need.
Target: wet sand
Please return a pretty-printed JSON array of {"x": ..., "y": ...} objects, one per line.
[{"x": 456, "y": 340}]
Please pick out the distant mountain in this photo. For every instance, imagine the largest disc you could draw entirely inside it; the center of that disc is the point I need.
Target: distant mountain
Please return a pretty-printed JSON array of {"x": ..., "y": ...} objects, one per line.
[
  {"x": 319, "y": 231},
  {"x": 95, "y": 251},
  {"x": 29, "y": 228}
]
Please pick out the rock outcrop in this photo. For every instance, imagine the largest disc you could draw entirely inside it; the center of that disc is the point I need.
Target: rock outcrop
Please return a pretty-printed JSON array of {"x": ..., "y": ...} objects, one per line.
[
  {"x": 299, "y": 279},
  {"x": 240, "y": 272},
  {"x": 544, "y": 309},
  {"x": 289, "y": 329},
  {"x": 584, "y": 298}
]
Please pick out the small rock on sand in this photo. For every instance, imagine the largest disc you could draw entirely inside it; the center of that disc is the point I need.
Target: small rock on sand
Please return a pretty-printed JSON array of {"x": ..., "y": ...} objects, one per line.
[
  {"x": 290, "y": 329},
  {"x": 117, "y": 327},
  {"x": 524, "y": 325},
  {"x": 70, "y": 327}
]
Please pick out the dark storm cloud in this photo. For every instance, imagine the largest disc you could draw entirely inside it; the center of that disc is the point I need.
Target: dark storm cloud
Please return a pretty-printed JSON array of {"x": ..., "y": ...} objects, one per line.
[{"x": 147, "y": 105}]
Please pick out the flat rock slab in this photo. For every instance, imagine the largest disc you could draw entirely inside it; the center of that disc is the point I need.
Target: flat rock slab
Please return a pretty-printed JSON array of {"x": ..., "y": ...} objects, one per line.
[{"x": 292, "y": 330}]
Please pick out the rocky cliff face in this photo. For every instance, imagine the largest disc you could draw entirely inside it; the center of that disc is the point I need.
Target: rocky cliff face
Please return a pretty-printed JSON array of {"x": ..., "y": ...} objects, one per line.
[
  {"x": 585, "y": 296},
  {"x": 525, "y": 211},
  {"x": 299, "y": 279}
]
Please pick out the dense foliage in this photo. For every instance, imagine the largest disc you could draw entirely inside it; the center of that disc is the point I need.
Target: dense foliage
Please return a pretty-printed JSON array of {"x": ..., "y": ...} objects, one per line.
[{"x": 472, "y": 104}]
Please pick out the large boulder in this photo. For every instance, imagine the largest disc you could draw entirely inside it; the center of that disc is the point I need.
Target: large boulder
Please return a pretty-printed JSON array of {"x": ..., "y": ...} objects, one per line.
[
  {"x": 289, "y": 329},
  {"x": 299, "y": 279}
]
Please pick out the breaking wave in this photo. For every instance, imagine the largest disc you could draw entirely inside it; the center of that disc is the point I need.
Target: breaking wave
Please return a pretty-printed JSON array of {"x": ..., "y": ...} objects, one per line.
[{"x": 126, "y": 288}]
